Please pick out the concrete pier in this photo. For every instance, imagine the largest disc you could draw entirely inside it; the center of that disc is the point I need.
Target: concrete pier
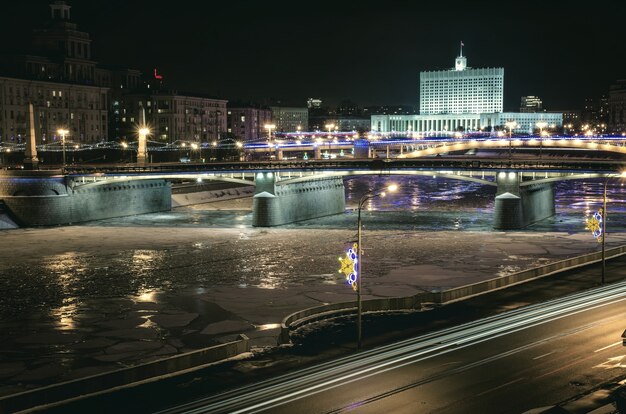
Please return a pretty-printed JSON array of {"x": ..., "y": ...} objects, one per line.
[
  {"x": 44, "y": 198},
  {"x": 275, "y": 204},
  {"x": 519, "y": 204}
]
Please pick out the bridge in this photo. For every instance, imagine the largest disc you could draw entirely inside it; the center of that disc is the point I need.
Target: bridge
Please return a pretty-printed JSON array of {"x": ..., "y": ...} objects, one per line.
[
  {"x": 294, "y": 190},
  {"x": 390, "y": 146}
]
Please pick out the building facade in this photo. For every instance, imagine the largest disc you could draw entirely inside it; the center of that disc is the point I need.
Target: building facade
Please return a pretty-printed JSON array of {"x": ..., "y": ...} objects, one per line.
[
  {"x": 461, "y": 99},
  {"x": 80, "y": 109},
  {"x": 531, "y": 104},
  {"x": 425, "y": 123},
  {"x": 525, "y": 122},
  {"x": 617, "y": 107},
  {"x": 67, "y": 86},
  {"x": 248, "y": 124},
  {"x": 461, "y": 90},
  {"x": 183, "y": 117},
  {"x": 290, "y": 119}
]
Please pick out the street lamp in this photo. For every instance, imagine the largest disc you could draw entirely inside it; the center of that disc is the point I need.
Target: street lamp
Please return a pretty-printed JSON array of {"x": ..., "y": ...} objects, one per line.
[
  {"x": 510, "y": 125},
  {"x": 597, "y": 223},
  {"x": 330, "y": 127},
  {"x": 604, "y": 217},
  {"x": 124, "y": 146},
  {"x": 541, "y": 125},
  {"x": 368, "y": 195},
  {"x": 239, "y": 146},
  {"x": 63, "y": 133},
  {"x": 269, "y": 128}
]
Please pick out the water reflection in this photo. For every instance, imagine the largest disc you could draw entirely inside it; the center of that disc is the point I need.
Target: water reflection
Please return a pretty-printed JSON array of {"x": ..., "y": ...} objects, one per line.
[
  {"x": 147, "y": 295},
  {"x": 267, "y": 326},
  {"x": 144, "y": 261},
  {"x": 67, "y": 268},
  {"x": 437, "y": 204},
  {"x": 64, "y": 317}
]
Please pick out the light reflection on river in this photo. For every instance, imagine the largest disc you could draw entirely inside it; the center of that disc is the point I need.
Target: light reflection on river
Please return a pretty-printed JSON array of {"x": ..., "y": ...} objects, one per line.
[
  {"x": 87, "y": 292},
  {"x": 424, "y": 203},
  {"x": 61, "y": 282}
]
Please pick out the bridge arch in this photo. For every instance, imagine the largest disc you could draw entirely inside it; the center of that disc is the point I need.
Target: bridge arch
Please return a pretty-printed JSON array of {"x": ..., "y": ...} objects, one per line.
[
  {"x": 482, "y": 177},
  {"x": 94, "y": 180},
  {"x": 503, "y": 143}
]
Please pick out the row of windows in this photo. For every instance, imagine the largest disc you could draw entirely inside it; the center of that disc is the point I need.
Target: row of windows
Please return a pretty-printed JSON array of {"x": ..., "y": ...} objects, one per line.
[{"x": 10, "y": 114}]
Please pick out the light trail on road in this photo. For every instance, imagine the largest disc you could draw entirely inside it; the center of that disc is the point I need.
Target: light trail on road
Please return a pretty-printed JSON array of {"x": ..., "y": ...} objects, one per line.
[{"x": 300, "y": 384}]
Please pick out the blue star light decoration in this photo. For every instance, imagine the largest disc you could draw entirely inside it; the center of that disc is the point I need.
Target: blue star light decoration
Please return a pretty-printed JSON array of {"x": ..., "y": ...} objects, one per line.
[
  {"x": 594, "y": 224},
  {"x": 349, "y": 266}
]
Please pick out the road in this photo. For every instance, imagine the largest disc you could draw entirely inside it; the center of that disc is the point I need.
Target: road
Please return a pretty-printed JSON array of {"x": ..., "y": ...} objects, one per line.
[{"x": 529, "y": 357}]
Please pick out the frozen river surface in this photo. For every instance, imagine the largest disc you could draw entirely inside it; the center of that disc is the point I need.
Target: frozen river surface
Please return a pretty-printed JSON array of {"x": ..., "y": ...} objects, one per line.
[{"x": 83, "y": 299}]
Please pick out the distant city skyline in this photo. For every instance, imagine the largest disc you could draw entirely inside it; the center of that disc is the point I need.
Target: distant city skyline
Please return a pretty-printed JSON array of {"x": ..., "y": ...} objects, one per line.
[{"x": 371, "y": 52}]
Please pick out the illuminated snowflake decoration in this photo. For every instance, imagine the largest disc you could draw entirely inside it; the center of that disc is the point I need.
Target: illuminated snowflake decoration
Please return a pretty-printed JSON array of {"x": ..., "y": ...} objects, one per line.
[
  {"x": 594, "y": 224},
  {"x": 349, "y": 266}
]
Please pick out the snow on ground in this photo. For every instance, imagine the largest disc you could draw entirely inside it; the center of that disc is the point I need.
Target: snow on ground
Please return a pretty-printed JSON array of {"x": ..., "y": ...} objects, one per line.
[{"x": 83, "y": 299}]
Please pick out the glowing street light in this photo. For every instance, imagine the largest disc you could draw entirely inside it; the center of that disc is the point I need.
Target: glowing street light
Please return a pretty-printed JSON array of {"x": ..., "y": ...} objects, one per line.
[
  {"x": 604, "y": 217},
  {"x": 124, "y": 147},
  {"x": 541, "y": 125},
  {"x": 194, "y": 148},
  {"x": 330, "y": 127},
  {"x": 510, "y": 125},
  {"x": 368, "y": 195},
  {"x": 63, "y": 133},
  {"x": 269, "y": 128}
]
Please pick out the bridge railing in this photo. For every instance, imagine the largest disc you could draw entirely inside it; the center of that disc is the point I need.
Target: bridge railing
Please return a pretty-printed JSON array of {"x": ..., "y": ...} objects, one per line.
[{"x": 378, "y": 164}]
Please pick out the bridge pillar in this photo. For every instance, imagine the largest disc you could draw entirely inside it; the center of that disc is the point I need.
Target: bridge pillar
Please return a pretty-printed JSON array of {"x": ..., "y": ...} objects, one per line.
[
  {"x": 361, "y": 148},
  {"x": 279, "y": 154},
  {"x": 276, "y": 204},
  {"x": 317, "y": 152},
  {"x": 518, "y": 204}
]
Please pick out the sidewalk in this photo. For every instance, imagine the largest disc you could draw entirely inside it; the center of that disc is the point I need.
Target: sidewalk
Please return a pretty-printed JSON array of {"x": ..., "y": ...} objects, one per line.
[
  {"x": 601, "y": 400},
  {"x": 316, "y": 343}
]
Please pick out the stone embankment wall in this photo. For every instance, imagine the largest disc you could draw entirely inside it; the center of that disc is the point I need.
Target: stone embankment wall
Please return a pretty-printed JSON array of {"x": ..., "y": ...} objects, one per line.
[
  {"x": 416, "y": 302},
  {"x": 185, "y": 198},
  {"x": 289, "y": 203},
  {"x": 53, "y": 200},
  {"x": 518, "y": 206}
]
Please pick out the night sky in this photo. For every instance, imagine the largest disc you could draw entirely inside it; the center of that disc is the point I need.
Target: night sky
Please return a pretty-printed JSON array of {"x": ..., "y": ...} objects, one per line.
[{"x": 369, "y": 52}]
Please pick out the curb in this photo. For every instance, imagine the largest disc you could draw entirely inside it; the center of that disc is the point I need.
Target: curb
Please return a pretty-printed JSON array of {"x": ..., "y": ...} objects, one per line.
[{"x": 122, "y": 378}]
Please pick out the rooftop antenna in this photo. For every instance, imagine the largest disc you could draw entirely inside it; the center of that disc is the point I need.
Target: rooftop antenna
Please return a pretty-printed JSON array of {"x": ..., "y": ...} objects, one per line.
[{"x": 461, "y": 54}]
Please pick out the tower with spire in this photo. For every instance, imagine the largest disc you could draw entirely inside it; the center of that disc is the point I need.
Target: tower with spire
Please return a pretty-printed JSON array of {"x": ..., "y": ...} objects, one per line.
[{"x": 461, "y": 61}]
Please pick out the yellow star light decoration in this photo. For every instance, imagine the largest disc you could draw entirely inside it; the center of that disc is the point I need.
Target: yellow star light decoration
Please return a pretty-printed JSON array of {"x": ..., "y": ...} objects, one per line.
[
  {"x": 594, "y": 224},
  {"x": 349, "y": 266}
]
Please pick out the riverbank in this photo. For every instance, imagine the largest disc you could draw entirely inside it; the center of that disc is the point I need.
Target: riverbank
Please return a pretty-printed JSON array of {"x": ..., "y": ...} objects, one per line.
[{"x": 80, "y": 300}]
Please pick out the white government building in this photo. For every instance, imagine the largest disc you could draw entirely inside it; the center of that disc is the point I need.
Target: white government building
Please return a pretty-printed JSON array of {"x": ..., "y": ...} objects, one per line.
[{"x": 462, "y": 99}]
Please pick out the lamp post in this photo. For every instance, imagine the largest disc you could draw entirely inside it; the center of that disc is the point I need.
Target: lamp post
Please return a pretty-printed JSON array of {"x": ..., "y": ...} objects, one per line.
[
  {"x": 269, "y": 128},
  {"x": 604, "y": 218},
  {"x": 239, "y": 146},
  {"x": 330, "y": 127},
  {"x": 541, "y": 125},
  {"x": 63, "y": 133},
  {"x": 124, "y": 146},
  {"x": 359, "y": 309},
  {"x": 194, "y": 148},
  {"x": 510, "y": 125}
]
